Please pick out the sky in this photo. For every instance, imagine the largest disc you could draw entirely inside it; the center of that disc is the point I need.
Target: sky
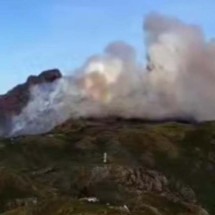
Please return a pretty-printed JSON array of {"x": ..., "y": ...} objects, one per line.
[{"x": 38, "y": 35}]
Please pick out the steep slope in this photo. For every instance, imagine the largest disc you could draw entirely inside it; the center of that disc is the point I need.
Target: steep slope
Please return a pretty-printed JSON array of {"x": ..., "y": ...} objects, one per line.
[
  {"x": 17, "y": 98},
  {"x": 158, "y": 169}
]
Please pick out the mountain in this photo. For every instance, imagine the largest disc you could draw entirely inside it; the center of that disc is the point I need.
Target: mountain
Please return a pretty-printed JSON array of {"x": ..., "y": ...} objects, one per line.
[
  {"x": 16, "y": 99},
  {"x": 110, "y": 166}
]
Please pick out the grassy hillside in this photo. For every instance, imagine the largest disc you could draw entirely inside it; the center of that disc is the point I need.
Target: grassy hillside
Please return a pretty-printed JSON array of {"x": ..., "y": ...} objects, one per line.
[{"x": 151, "y": 169}]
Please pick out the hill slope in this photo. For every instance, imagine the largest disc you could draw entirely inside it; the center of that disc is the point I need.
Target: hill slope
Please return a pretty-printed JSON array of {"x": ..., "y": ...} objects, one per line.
[
  {"x": 151, "y": 169},
  {"x": 15, "y": 100}
]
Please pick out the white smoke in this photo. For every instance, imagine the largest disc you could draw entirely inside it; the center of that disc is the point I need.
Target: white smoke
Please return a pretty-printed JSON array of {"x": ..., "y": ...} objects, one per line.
[{"x": 177, "y": 82}]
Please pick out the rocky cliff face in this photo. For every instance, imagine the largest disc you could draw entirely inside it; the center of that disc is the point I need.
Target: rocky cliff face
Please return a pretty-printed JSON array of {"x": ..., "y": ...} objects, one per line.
[
  {"x": 16, "y": 99},
  {"x": 110, "y": 167}
]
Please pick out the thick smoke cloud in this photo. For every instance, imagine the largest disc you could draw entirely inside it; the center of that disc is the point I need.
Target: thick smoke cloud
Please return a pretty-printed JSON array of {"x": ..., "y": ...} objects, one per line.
[{"x": 177, "y": 82}]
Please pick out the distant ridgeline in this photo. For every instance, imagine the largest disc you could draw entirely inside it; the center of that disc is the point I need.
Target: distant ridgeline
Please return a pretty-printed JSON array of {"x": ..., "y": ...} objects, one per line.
[{"x": 15, "y": 100}]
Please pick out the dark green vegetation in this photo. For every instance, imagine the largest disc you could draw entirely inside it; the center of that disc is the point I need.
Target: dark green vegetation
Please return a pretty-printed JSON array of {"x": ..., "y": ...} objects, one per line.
[{"x": 153, "y": 169}]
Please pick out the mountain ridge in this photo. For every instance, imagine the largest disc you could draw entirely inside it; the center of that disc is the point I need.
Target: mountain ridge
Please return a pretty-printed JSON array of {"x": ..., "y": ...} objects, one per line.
[{"x": 13, "y": 102}]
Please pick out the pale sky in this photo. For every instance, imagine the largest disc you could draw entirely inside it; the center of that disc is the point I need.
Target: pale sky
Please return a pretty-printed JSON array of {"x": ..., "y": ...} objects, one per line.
[{"x": 38, "y": 35}]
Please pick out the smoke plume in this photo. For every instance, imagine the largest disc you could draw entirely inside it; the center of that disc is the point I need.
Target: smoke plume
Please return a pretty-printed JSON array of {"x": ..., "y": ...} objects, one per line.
[{"x": 177, "y": 82}]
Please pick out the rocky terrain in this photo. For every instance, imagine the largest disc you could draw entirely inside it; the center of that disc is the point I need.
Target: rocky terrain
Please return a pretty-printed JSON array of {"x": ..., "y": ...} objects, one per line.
[
  {"x": 110, "y": 166},
  {"x": 16, "y": 99}
]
